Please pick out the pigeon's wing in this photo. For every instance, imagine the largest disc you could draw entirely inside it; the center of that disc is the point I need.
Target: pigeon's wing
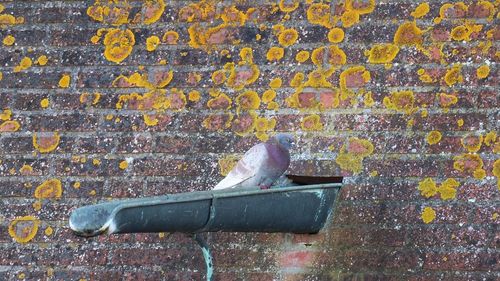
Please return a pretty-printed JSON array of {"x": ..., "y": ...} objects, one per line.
[{"x": 247, "y": 168}]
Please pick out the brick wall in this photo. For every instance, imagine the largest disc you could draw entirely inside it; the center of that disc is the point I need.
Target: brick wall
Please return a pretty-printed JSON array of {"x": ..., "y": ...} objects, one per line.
[{"x": 107, "y": 100}]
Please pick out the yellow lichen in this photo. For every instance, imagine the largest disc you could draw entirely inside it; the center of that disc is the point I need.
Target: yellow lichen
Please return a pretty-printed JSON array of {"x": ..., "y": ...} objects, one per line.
[
  {"x": 113, "y": 12},
  {"x": 408, "y": 34},
  {"x": 311, "y": 123},
  {"x": 368, "y": 99},
  {"x": 335, "y": 35},
  {"x": 25, "y": 63},
  {"x": 446, "y": 100},
  {"x": 483, "y": 71},
  {"x": 354, "y": 77},
  {"x": 245, "y": 123},
  {"x": 383, "y": 53},
  {"x": 352, "y": 154},
  {"x": 6, "y": 115},
  {"x": 448, "y": 190},
  {"x": 472, "y": 143},
  {"x": 319, "y": 13},
  {"x": 490, "y": 138},
  {"x": 170, "y": 37},
  {"x": 275, "y": 54},
  {"x": 222, "y": 101},
  {"x": 9, "y": 126},
  {"x": 268, "y": 96},
  {"x": 433, "y": 137},
  {"x": 218, "y": 122},
  {"x": 64, "y": 81},
  {"x": 427, "y": 187},
  {"x": 302, "y": 56},
  {"x": 460, "y": 122},
  {"x": 123, "y": 165},
  {"x": 231, "y": 15},
  {"x": 46, "y": 143},
  {"x": 453, "y": 75},
  {"x": 334, "y": 56},
  {"x": 467, "y": 163},
  {"x": 463, "y": 32},
  {"x": 9, "y": 40},
  {"x": 360, "y": 6},
  {"x": 247, "y": 100},
  {"x": 44, "y": 103},
  {"x": 428, "y": 215},
  {"x": 443, "y": 11},
  {"x": 421, "y": 10},
  {"x": 288, "y": 6},
  {"x": 42, "y": 60},
  {"x": 402, "y": 101},
  {"x": 151, "y": 11},
  {"x": 194, "y": 96},
  {"x": 275, "y": 83},
  {"x": 118, "y": 44},
  {"x": 226, "y": 164},
  {"x": 152, "y": 43},
  {"x": 49, "y": 231},
  {"x": 51, "y": 188},
  {"x": 479, "y": 174},
  {"x": 288, "y": 37},
  {"x": 349, "y": 18},
  {"x": 262, "y": 126},
  {"x": 24, "y": 229}
]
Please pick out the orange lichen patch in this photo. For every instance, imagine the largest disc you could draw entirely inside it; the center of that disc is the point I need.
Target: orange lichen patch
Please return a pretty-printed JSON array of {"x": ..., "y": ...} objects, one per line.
[
  {"x": 25, "y": 63},
  {"x": 483, "y": 71},
  {"x": 245, "y": 123},
  {"x": 150, "y": 119},
  {"x": 246, "y": 55},
  {"x": 151, "y": 11},
  {"x": 428, "y": 215},
  {"x": 297, "y": 79},
  {"x": 453, "y": 75},
  {"x": 463, "y": 32},
  {"x": 354, "y": 77},
  {"x": 44, "y": 103},
  {"x": 288, "y": 37},
  {"x": 421, "y": 10},
  {"x": 207, "y": 39},
  {"x": 448, "y": 190},
  {"x": 427, "y": 187},
  {"x": 360, "y": 6},
  {"x": 467, "y": 163},
  {"x": 275, "y": 54},
  {"x": 268, "y": 96},
  {"x": 26, "y": 170},
  {"x": 472, "y": 142},
  {"x": 408, "y": 34},
  {"x": 118, "y": 44},
  {"x": 320, "y": 14},
  {"x": 333, "y": 55},
  {"x": 447, "y": 10},
  {"x": 219, "y": 77},
  {"x": 6, "y": 19},
  {"x": 424, "y": 76},
  {"x": 46, "y": 143},
  {"x": 382, "y": 53},
  {"x": 222, "y": 101},
  {"x": 262, "y": 126},
  {"x": 170, "y": 37},
  {"x": 401, "y": 101},
  {"x": 349, "y": 18},
  {"x": 446, "y": 100},
  {"x": 49, "y": 231},
  {"x": 227, "y": 163},
  {"x": 6, "y": 115},
  {"x": 112, "y": 12},
  {"x": 201, "y": 11},
  {"x": 1, "y": 76},
  {"x": 24, "y": 229},
  {"x": 9, "y": 126},
  {"x": 311, "y": 123},
  {"x": 86, "y": 98},
  {"x": 302, "y": 56},
  {"x": 335, "y": 35},
  {"x": 42, "y": 60},
  {"x": 490, "y": 138},
  {"x": 479, "y": 174},
  {"x": 288, "y": 6},
  {"x": 152, "y": 43},
  {"x": 352, "y": 154},
  {"x": 460, "y": 122},
  {"x": 231, "y": 15},
  {"x": 247, "y": 100},
  {"x": 218, "y": 122},
  {"x": 194, "y": 96},
  {"x": 241, "y": 75},
  {"x": 496, "y": 168},
  {"x": 9, "y": 40},
  {"x": 123, "y": 165},
  {"x": 433, "y": 137},
  {"x": 318, "y": 78},
  {"x": 64, "y": 81},
  {"x": 51, "y": 188},
  {"x": 275, "y": 83},
  {"x": 487, "y": 7},
  {"x": 368, "y": 99}
]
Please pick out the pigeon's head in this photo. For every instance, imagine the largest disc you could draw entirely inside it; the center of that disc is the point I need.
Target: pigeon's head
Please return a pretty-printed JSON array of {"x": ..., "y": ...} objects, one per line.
[{"x": 285, "y": 140}]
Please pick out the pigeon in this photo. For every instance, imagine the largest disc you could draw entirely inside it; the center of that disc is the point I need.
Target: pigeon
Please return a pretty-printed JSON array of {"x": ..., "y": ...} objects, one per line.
[{"x": 261, "y": 166}]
